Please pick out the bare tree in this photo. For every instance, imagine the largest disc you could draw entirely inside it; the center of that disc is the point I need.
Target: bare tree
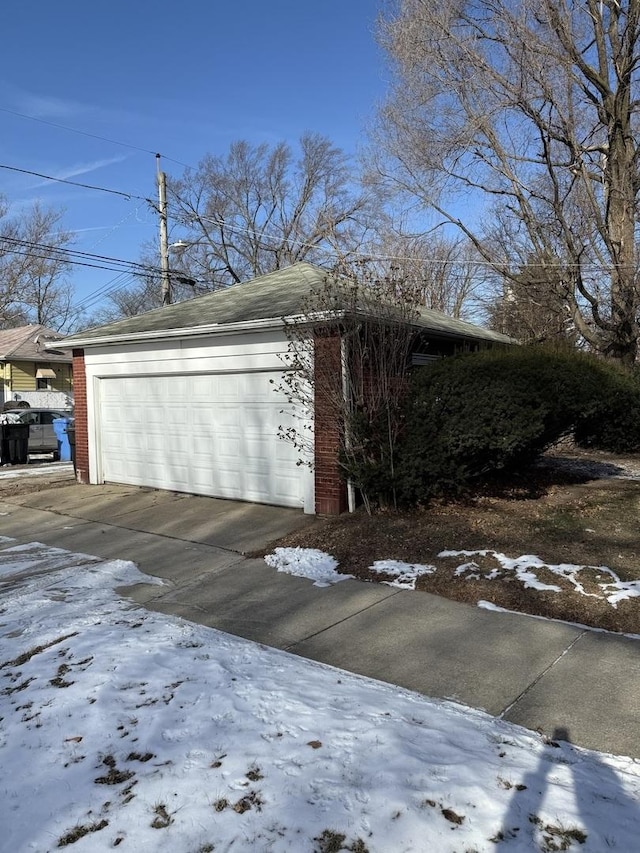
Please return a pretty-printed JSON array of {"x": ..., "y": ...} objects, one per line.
[
  {"x": 531, "y": 104},
  {"x": 129, "y": 301},
  {"x": 443, "y": 273},
  {"x": 532, "y": 308},
  {"x": 34, "y": 267},
  {"x": 260, "y": 208}
]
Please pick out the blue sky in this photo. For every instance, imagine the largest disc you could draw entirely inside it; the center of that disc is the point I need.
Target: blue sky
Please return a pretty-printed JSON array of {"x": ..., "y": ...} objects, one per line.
[{"x": 181, "y": 79}]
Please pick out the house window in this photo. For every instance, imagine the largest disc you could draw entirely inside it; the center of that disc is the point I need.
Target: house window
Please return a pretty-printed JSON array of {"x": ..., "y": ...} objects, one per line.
[{"x": 44, "y": 375}]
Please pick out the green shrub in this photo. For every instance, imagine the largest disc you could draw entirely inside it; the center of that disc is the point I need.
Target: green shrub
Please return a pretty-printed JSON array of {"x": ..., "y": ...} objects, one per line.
[
  {"x": 613, "y": 422},
  {"x": 499, "y": 409}
]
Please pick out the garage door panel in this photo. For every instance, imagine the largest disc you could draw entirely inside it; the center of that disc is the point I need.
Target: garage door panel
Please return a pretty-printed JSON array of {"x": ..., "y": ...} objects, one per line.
[
  {"x": 228, "y": 451},
  {"x": 211, "y": 434},
  {"x": 227, "y": 418},
  {"x": 202, "y": 389},
  {"x": 202, "y": 445},
  {"x": 171, "y": 417},
  {"x": 156, "y": 444}
]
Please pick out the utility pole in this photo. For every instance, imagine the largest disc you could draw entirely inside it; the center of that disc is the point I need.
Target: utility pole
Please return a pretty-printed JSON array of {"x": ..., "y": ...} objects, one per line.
[{"x": 164, "y": 239}]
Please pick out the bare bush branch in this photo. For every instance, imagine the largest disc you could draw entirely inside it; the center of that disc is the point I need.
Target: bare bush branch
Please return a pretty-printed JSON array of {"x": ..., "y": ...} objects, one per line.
[{"x": 350, "y": 359}]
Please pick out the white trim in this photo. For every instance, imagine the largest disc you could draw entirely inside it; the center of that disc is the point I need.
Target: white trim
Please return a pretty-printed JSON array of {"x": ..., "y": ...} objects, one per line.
[
  {"x": 346, "y": 397},
  {"x": 240, "y": 327},
  {"x": 195, "y": 331},
  {"x": 94, "y": 429}
]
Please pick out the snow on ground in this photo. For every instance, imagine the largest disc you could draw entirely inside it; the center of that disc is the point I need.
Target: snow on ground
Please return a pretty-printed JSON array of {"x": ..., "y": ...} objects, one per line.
[
  {"x": 321, "y": 568},
  {"x": 131, "y": 729},
  {"x": 603, "y": 582},
  {"x": 306, "y": 563},
  {"x": 40, "y": 470},
  {"x": 593, "y": 581},
  {"x": 404, "y": 575},
  {"x": 496, "y": 608}
]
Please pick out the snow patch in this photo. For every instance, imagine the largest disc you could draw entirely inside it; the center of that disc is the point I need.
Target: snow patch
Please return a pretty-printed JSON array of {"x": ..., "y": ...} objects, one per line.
[
  {"x": 307, "y": 563},
  {"x": 526, "y": 569},
  {"x": 495, "y": 608},
  {"x": 404, "y": 575},
  {"x": 39, "y": 471}
]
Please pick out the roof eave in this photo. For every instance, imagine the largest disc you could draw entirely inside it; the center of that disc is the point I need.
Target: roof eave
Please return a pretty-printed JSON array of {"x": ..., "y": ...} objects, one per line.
[
  {"x": 466, "y": 336},
  {"x": 240, "y": 327},
  {"x": 78, "y": 342}
]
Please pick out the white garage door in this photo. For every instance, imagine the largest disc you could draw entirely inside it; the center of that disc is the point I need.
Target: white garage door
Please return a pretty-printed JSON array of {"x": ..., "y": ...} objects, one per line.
[{"x": 208, "y": 434}]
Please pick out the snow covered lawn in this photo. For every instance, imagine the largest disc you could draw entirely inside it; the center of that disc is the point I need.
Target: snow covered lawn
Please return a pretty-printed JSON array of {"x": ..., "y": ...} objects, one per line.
[{"x": 129, "y": 729}]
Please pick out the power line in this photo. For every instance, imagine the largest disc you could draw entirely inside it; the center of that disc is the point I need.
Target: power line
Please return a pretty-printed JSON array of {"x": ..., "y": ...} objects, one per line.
[
  {"x": 115, "y": 284},
  {"x": 127, "y": 271},
  {"x": 131, "y": 269},
  {"x": 64, "y": 251},
  {"x": 73, "y": 262},
  {"x": 373, "y": 256},
  {"x": 74, "y": 257},
  {"x": 75, "y": 130},
  {"x": 128, "y": 196},
  {"x": 90, "y": 135},
  {"x": 235, "y": 229},
  {"x": 118, "y": 225}
]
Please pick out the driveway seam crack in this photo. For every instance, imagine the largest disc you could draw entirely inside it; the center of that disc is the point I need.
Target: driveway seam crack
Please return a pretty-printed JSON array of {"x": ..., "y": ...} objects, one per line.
[{"x": 540, "y": 676}]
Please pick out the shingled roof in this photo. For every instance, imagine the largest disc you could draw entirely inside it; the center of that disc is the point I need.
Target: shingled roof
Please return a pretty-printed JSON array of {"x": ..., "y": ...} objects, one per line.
[
  {"x": 27, "y": 343},
  {"x": 280, "y": 294}
]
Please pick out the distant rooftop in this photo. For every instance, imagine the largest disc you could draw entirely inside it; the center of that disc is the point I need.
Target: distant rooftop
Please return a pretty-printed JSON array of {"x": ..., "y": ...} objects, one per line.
[{"x": 27, "y": 343}]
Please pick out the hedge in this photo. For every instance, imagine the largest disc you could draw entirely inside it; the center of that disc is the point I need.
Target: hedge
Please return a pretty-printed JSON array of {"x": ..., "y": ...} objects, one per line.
[{"x": 499, "y": 409}]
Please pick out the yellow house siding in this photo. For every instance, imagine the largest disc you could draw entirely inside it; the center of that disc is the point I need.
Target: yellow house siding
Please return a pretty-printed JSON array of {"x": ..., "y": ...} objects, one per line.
[
  {"x": 23, "y": 376},
  {"x": 20, "y": 376},
  {"x": 64, "y": 378}
]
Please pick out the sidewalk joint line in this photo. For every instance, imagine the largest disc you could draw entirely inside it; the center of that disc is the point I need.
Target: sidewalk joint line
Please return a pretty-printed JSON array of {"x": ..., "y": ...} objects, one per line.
[
  {"x": 340, "y": 621},
  {"x": 541, "y": 675}
]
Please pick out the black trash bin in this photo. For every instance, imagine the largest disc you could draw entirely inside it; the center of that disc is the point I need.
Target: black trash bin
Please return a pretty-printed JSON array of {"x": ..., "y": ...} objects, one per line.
[
  {"x": 71, "y": 435},
  {"x": 14, "y": 444}
]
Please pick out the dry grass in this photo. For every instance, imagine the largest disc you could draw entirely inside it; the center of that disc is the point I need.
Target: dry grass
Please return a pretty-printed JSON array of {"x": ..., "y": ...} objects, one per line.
[{"x": 558, "y": 512}]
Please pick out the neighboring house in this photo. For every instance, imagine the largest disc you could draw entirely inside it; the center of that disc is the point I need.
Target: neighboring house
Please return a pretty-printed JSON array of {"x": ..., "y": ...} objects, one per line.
[
  {"x": 183, "y": 397},
  {"x": 31, "y": 373}
]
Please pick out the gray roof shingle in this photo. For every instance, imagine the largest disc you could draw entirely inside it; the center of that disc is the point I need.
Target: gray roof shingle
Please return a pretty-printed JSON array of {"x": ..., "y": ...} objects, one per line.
[
  {"x": 282, "y": 293},
  {"x": 27, "y": 343}
]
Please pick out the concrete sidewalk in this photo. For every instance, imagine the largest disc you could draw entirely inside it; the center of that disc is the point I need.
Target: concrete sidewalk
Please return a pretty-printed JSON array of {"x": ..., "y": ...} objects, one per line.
[{"x": 540, "y": 674}]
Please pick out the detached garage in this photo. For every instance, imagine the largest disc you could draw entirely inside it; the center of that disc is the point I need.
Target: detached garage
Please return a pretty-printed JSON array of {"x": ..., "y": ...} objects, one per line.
[{"x": 187, "y": 397}]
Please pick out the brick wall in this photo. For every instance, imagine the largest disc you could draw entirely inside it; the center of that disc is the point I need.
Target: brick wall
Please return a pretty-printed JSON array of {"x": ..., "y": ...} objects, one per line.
[
  {"x": 80, "y": 412},
  {"x": 331, "y": 490}
]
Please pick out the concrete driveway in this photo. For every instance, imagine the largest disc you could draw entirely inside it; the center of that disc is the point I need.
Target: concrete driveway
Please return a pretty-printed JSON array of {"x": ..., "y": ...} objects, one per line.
[{"x": 540, "y": 674}]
